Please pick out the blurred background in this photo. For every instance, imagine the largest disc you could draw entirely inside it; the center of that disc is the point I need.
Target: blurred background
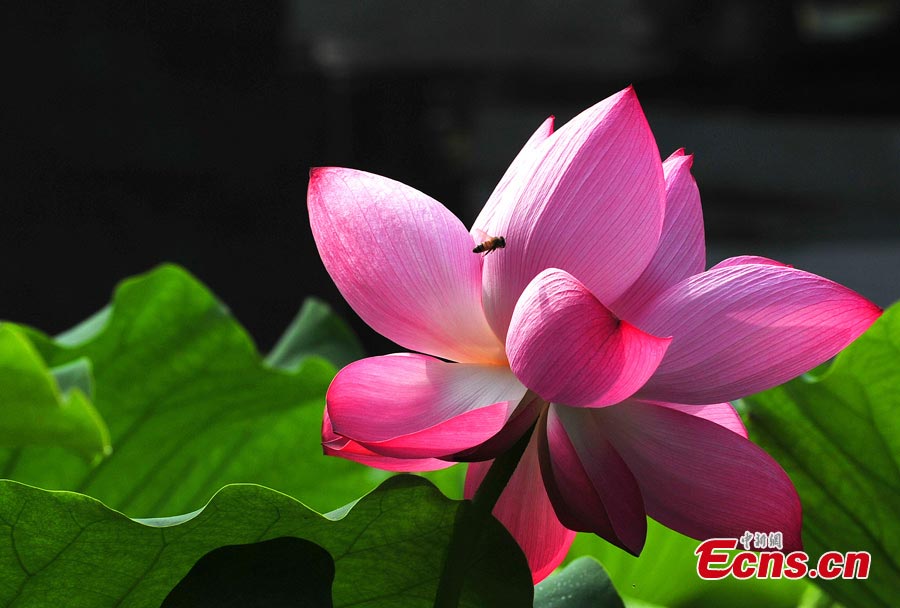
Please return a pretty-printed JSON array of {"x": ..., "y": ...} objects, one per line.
[{"x": 137, "y": 133}]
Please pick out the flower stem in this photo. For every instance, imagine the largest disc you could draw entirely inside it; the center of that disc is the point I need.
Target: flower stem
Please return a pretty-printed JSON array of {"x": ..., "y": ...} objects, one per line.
[{"x": 471, "y": 518}]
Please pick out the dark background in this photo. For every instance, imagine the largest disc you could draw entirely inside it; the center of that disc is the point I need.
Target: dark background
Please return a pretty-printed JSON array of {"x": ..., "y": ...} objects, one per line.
[{"x": 136, "y": 133}]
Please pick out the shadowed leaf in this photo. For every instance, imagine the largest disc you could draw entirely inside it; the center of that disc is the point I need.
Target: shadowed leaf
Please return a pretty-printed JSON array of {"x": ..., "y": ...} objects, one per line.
[
  {"x": 282, "y": 572},
  {"x": 67, "y": 549}
]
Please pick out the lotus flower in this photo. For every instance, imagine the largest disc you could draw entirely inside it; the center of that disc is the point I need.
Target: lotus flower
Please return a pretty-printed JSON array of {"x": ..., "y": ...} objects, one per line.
[{"x": 597, "y": 320}]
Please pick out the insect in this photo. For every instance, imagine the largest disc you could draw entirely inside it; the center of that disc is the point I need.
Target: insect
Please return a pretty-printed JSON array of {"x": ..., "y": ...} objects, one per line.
[{"x": 488, "y": 243}]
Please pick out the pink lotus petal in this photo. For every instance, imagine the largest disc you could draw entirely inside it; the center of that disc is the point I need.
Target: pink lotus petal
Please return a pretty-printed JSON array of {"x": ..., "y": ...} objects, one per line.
[
  {"x": 591, "y": 204},
  {"x": 446, "y": 439},
  {"x": 589, "y": 484},
  {"x": 700, "y": 478},
  {"x": 335, "y": 445},
  {"x": 568, "y": 348},
  {"x": 741, "y": 260},
  {"x": 403, "y": 262},
  {"x": 415, "y": 406},
  {"x": 521, "y": 165},
  {"x": 742, "y": 329},
  {"x": 722, "y": 414},
  {"x": 681, "y": 251},
  {"x": 525, "y": 510},
  {"x": 519, "y": 421}
]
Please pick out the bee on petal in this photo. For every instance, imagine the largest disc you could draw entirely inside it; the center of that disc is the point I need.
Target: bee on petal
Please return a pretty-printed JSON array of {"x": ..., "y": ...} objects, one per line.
[{"x": 488, "y": 243}]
